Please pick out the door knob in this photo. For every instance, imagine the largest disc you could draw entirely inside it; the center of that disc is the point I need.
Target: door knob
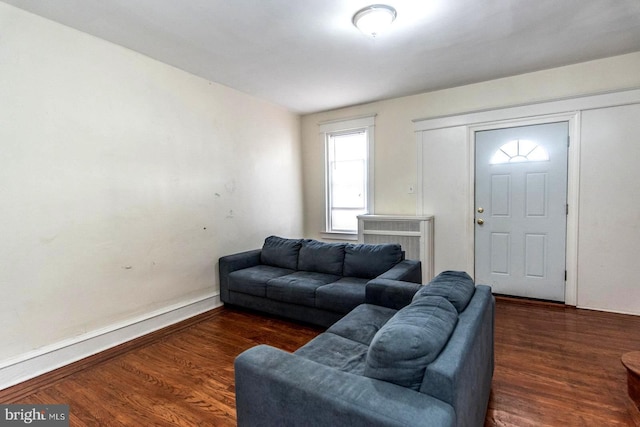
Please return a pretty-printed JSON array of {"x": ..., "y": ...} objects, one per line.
[{"x": 480, "y": 221}]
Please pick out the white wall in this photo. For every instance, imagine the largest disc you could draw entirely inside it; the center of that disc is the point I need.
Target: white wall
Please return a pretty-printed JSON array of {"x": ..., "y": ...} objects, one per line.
[
  {"x": 446, "y": 195},
  {"x": 396, "y": 162},
  {"x": 609, "y": 239},
  {"x": 122, "y": 181}
]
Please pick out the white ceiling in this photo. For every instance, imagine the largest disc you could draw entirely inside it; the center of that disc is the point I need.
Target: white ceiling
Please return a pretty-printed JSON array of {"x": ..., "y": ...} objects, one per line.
[{"x": 307, "y": 56}]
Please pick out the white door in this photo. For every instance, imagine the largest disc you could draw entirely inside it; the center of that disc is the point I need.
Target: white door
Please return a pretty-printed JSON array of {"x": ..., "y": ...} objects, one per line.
[{"x": 521, "y": 207}]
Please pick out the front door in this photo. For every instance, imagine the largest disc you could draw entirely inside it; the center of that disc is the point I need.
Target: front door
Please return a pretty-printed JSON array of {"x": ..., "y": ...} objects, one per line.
[{"x": 521, "y": 207}]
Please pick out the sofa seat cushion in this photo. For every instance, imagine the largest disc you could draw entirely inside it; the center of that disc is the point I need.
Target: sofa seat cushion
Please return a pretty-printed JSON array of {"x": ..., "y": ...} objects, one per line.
[
  {"x": 401, "y": 350},
  {"x": 280, "y": 252},
  {"x": 321, "y": 257},
  {"x": 253, "y": 280},
  {"x": 336, "y": 352},
  {"x": 341, "y": 296},
  {"x": 369, "y": 261},
  {"x": 299, "y": 287},
  {"x": 455, "y": 286},
  {"x": 362, "y": 323}
]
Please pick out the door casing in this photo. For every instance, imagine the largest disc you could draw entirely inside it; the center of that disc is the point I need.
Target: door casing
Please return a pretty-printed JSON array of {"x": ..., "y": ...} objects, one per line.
[
  {"x": 513, "y": 221},
  {"x": 572, "y": 188}
]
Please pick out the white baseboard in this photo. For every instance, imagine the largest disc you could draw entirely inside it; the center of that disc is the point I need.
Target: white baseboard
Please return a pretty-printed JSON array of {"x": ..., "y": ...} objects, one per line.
[
  {"x": 609, "y": 310},
  {"x": 46, "y": 359}
]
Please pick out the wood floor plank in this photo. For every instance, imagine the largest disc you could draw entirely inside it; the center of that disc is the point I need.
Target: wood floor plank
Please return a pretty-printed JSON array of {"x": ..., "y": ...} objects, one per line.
[
  {"x": 558, "y": 366},
  {"x": 555, "y": 366}
]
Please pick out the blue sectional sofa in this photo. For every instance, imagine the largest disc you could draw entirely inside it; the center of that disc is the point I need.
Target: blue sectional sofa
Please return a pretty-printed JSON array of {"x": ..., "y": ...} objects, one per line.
[
  {"x": 308, "y": 280},
  {"x": 425, "y": 357}
]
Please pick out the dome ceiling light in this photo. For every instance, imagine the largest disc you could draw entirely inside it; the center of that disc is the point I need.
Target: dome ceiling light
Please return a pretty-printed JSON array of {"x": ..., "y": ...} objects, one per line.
[{"x": 374, "y": 19}]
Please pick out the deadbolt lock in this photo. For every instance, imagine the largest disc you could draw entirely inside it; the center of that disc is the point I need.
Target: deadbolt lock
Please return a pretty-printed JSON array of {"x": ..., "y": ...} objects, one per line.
[{"x": 480, "y": 210}]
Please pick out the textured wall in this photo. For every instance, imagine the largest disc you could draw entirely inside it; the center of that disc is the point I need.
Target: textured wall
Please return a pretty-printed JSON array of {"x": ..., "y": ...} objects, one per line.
[{"x": 122, "y": 180}]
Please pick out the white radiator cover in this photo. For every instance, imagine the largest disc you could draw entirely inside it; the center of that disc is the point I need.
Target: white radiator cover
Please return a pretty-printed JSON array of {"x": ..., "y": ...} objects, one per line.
[{"x": 413, "y": 233}]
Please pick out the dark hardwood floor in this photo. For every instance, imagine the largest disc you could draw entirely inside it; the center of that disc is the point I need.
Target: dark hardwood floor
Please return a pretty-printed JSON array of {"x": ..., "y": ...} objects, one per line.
[
  {"x": 560, "y": 366},
  {"x": 555, "y": 366}
]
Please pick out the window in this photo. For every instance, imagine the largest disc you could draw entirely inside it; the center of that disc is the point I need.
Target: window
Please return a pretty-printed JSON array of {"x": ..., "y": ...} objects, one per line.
[
  {"x": 346, "y": 180},
  {"x": 348, "y": 172},
  {"x": 520, "y": 150}
]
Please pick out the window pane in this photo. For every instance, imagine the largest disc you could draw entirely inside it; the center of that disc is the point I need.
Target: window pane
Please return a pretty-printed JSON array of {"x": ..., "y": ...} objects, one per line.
[
  {"x": 345, "y": 219},
  {"x": 347, "y": 176},
  {"x": 350, "y": 146},
  {"x": 520, "y": 151},
  {"x": 538, "y": 154},
  {"x": 347, "y": 185}
]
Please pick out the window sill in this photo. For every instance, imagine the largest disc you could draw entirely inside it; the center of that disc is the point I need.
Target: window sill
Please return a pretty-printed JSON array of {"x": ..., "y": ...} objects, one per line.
[{"x": 333, "y": 235}]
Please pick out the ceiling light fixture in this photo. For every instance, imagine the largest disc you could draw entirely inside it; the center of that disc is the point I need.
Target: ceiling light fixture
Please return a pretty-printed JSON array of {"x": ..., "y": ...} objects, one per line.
[{"x": 374, "y": 19}]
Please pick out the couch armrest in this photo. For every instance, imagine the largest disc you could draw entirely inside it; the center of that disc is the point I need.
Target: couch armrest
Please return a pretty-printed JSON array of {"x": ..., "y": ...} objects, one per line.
[
  {"x": 461, "y": 375},
  {"x": 230, "y": 263},
  {"x": 390, "y": 293},
  {"x": 408, "y": 271},
  {"x": 276, "y": 388}
]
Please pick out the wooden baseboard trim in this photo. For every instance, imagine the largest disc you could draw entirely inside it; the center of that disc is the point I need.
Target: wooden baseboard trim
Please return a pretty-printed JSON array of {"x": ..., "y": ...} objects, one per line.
[{"x": 14, "y": 393}]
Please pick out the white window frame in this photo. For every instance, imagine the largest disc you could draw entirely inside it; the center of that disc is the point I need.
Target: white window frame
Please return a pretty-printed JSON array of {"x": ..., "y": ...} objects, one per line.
[{"x": 341, "y": 126}]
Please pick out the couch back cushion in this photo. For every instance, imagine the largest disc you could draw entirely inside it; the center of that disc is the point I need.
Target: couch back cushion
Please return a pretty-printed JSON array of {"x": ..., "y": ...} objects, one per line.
[
  {"x": 280, "y": 252},
  {"x": 370, "y": 261},
  {"x": 455, "y": 286},
  {"x": 321, "y": 257},
  {"x": 401, "y": 350}
]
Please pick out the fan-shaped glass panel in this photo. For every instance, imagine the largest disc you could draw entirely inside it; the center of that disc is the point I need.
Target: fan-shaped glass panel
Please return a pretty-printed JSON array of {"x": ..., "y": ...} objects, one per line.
[{"x": 520, "y": 150}]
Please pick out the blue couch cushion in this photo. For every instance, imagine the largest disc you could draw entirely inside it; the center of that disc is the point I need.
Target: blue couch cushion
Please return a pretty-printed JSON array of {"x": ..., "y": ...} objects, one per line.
[
  {"x": 341, "y": 296},
  {"x": 253, "y": 280},
  {"x": 455, "y": 286},
  {"x": 369, "y": 261},
  {"x": 298, "y": 288},
  {"x": 362, "y": 323},
  {"x": 280, "y": 252},
  {"x": 410, "y": 340},
  {"x": 336, "y": 352},
  {"x": 321, "y": 257}
]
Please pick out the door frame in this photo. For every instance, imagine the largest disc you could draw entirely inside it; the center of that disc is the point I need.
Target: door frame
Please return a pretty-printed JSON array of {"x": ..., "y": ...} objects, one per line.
[{"x": 573, "y": 175}]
